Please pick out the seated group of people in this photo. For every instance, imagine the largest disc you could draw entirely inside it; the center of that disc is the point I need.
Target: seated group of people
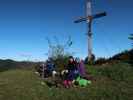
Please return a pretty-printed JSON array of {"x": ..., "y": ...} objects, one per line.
[
  {"x": 47, "y": 69},
  {"x": 74, "y": 72}
]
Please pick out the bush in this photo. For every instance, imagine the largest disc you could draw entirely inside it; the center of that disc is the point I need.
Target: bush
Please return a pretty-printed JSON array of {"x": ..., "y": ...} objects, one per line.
[
  {"x": 59, "y": 53},
  {"x": 100, "y": 61},
  {"x": 92, "y": 60},
  {"x": 61, "y": 62}
]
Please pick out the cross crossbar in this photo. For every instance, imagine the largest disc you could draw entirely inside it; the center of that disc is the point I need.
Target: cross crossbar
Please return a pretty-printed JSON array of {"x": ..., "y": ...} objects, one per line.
[{"x": 99, "y": 15}]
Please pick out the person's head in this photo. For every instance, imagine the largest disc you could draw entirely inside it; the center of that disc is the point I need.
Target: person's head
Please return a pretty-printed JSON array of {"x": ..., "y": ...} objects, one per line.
[
  {"x": 82, "y": 61},
  {"x": 77, "y": 60},
  {"x": 50, "y": 59},
  {"x": 71, "y": 59}
]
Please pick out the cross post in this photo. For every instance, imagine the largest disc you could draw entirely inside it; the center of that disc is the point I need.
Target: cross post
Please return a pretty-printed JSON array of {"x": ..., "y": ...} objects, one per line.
[{"x": 89, "y": 19}]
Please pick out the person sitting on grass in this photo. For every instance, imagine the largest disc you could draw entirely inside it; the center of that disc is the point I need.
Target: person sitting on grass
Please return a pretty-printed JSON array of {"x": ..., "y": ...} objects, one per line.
[
  {"x": 81, "y": 67},
  {"x": 72, "y": 72},
  {"x": 50, "y": 67}
]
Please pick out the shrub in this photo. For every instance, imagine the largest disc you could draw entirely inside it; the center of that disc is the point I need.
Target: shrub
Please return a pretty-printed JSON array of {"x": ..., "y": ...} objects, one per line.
[
  {"x": 59, "y": 53},
  {"x": 92, "y": 60},
  {"x": 61, "y": 62},
  {"x": 100, "y": 61}
]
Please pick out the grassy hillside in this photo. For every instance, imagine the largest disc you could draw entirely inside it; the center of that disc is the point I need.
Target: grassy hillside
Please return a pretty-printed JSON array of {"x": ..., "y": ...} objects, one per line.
[
  {"x": 125, "y": 56},
  {"x": 111, "y": 82},
  {"x": 11, "y": 64}
]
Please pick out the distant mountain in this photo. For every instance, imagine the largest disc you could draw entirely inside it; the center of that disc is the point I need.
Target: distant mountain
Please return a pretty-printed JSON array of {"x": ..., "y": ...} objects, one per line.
[{"x": 11, "y": 64}]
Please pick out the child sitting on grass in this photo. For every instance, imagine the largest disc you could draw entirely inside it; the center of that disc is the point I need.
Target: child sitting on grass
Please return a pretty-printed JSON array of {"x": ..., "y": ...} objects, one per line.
[{"x": 72, "y": 72}]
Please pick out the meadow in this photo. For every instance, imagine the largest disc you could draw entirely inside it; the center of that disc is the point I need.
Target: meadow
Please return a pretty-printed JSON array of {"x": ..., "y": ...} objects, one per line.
[{"x": 111, "y": 82}]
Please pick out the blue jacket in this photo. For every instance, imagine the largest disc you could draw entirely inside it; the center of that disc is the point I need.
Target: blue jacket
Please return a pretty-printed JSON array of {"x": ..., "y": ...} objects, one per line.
[{"x": 50, "y": 66}]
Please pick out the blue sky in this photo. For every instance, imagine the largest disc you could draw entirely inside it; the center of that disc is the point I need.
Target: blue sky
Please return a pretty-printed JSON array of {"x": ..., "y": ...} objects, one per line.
[{"x": 24, "y": 25}]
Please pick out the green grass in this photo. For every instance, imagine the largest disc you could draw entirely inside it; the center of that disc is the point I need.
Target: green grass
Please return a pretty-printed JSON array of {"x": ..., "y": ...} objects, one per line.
[{"x": 112, "y": 82}]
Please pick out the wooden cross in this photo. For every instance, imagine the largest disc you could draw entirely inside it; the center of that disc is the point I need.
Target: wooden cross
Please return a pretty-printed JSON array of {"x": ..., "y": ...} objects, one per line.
[{"x": 89, "y": 18}]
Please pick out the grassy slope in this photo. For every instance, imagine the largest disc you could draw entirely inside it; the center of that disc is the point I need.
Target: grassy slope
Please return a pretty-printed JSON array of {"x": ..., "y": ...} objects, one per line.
[{"x": 110, "y": 84}]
